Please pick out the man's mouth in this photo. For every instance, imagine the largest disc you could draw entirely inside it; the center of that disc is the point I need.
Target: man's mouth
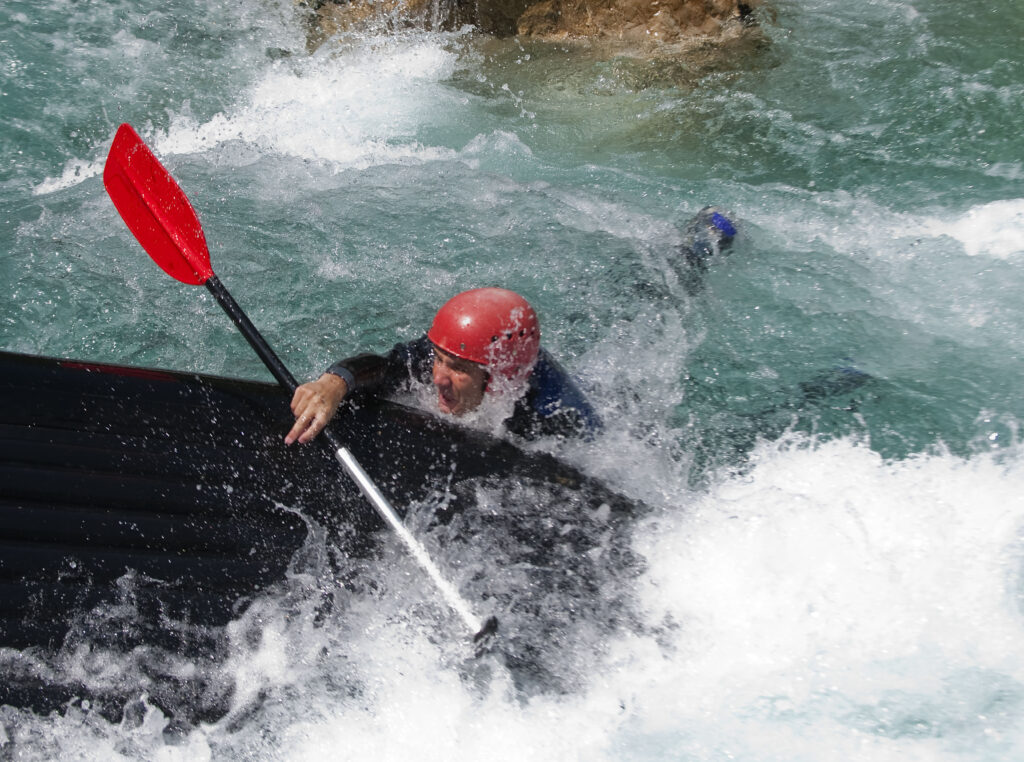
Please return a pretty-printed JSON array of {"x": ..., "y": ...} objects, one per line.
[{"x": 446, "y": 402}]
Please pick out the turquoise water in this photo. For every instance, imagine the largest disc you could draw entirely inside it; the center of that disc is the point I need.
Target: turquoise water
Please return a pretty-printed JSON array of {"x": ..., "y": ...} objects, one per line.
[{"x": 839, "y": 565}]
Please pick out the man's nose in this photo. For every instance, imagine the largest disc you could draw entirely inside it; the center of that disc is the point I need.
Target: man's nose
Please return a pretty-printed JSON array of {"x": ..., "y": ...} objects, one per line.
[{"x": 441, "y": 375}]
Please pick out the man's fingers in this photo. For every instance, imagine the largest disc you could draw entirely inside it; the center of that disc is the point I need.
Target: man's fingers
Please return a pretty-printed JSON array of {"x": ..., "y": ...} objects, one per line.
[
  {"x": 296, "y": 431},
  {"x": 315, "y": 427},
  {"x": 304, "y": 415},
  {"x": 308, "y": 424}
]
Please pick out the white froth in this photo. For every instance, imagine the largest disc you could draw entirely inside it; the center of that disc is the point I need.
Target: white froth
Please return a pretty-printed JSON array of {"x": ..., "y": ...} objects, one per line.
[
  {"x": 826, "y": 605},
  {"x": 995, "y": 229},
  {"x": 354, "y": 108},
  {"x": 75, "y": 172},
  {"x": 828, "y": 590}
]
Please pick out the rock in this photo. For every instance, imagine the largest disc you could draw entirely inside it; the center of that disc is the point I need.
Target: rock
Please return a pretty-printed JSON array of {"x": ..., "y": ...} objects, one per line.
[{"x": 629, "y": 21}]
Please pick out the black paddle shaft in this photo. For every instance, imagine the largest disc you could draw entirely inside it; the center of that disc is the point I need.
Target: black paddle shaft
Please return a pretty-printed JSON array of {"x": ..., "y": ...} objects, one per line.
[
  {"x": 270, "y": 359},
  {"x": 257, "y": 342}
]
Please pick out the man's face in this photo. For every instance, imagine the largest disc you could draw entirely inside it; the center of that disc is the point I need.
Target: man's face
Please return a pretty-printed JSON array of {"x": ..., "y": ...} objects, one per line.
[{"x": 460, "y": 383}]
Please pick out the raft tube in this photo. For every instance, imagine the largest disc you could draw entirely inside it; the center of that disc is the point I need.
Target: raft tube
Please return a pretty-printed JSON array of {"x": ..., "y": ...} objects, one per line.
[{"x": 183, "y": 481}]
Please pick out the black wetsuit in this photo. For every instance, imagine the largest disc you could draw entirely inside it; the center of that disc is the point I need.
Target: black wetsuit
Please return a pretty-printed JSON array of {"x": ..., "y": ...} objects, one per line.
[{"x": 552, "y": 406}]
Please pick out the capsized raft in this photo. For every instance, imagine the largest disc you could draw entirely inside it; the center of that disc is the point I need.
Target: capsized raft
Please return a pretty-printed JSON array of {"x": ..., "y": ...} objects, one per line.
[{"x": 183, "y": 480}]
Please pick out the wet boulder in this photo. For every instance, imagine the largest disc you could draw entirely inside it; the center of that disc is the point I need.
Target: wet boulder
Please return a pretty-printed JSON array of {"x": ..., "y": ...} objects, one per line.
[{"x": 631, "y": 21}]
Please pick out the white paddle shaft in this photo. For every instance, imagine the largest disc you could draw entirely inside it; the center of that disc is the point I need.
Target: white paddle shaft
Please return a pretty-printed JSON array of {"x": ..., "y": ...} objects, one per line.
[{"x": 369, "y": 489}]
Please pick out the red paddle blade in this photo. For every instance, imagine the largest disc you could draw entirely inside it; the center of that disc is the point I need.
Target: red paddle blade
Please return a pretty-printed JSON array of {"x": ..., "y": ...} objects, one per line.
[{"x": 156, "y": 209}]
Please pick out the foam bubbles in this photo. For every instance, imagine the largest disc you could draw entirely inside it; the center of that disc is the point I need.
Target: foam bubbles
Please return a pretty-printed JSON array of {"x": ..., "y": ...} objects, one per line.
[
  {"x": 995, "y": 229},
  {"x": 827, "y": 604},
  {"x": 351, "y": 108},
  {"x": 834, "y": 597},
  {"x": 75, "y": 172},
  {"x": 354, "y": 109}
]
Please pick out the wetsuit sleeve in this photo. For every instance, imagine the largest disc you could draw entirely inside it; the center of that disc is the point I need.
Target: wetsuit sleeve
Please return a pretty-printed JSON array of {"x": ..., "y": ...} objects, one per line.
[
  {"x": 565, "y": 423},
  {"x": 384, "y": 374},
  {"x": 553, "y": 406}
]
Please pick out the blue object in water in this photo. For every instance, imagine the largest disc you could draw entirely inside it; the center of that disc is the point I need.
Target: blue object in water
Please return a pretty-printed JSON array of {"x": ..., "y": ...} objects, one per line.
[
  {"x": 723, "y": 223},
  {"x": 709, "y": 233}
]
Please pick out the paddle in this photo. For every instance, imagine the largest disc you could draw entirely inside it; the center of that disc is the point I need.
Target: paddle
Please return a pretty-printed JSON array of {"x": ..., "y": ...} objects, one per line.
[{"x": 160, "y": 216}]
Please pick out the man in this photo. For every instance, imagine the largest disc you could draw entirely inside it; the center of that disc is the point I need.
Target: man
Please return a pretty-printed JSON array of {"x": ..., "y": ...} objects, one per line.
[{"x": 482, "y": 344}]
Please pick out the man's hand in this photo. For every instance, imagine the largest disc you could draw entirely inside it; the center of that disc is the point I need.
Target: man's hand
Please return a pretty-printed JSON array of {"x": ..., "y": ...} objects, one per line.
[{"x": 314, "y": 405}]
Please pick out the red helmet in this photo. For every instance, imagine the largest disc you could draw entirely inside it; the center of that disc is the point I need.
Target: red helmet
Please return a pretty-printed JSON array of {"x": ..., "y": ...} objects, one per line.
[{"x": 491, "y": 326}]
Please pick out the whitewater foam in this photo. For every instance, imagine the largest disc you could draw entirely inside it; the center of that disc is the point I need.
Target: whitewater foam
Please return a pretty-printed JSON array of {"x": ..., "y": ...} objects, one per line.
[
  {"x": 827, "y": 604},
  {"x": 995, "y": 229},
  {"x": 830, "y": 590},
  {"x": 350, "y": 109}
]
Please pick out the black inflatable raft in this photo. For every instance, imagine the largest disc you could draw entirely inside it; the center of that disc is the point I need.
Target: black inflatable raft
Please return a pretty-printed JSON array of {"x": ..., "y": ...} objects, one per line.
[{"x": 183, "y": 480}]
